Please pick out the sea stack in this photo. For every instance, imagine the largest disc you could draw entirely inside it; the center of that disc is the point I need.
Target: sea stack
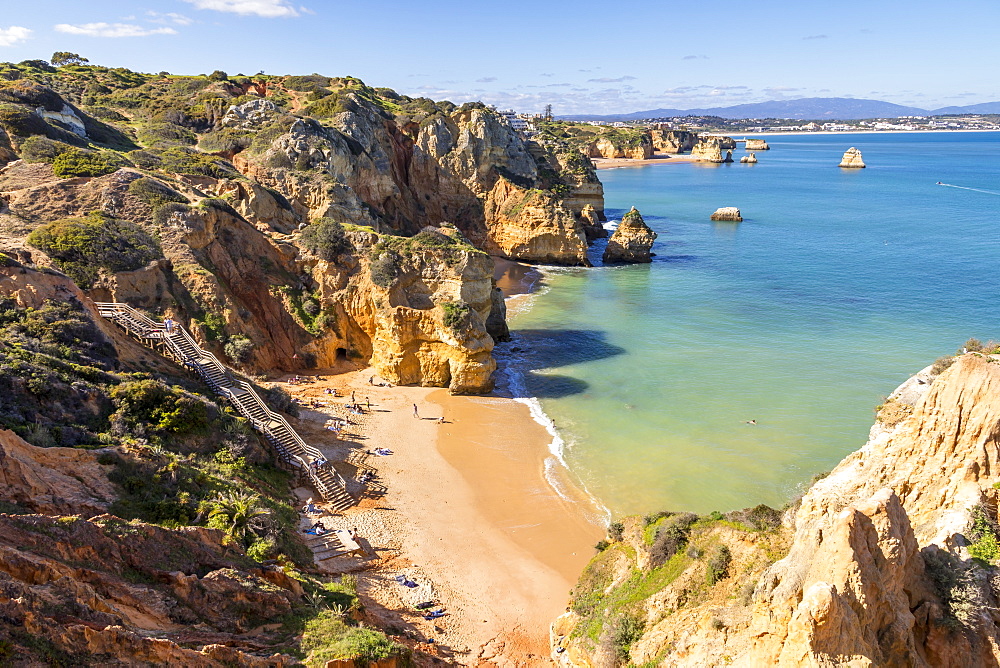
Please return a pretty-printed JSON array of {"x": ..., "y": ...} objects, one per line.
[
  {"x": 757, "y": 145},
  {"x": 729, "y": 214},
  {"x": 631, "y": 241},
  {"x": 750, "y": 159},
  {"x": 852, "y": 159}
]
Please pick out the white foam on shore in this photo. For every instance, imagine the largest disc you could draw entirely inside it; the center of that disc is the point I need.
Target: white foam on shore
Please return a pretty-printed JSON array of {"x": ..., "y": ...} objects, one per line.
[{"x": 516, "y": 388}]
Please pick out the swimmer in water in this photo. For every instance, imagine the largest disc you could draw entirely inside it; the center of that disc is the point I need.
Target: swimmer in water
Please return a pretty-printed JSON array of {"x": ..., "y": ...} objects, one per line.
[{"x": 751, "y": 422}]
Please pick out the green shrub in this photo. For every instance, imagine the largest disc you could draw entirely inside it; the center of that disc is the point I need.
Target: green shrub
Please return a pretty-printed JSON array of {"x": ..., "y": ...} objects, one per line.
[
  {"x": 718, "y": 565},
  {"x": 384, "y": 269},
  {"x": 327, "y": 638},
  {"x": 81, "y": 247},
  {"x": 671, "y": 537},
  {"x": 160, "y": 132},
  {"x": 456, "y": 315},
  {"x": 942, "y": 363},
  {"x": 148, "y": 407},
  {"x": 279, "y": 399},
  {"x": 983, "y": 533},
  {"x": 627, "y": 631},
  {"x": 155, "y": 193},
  {"x": 239, "y": 349},
  {"x": 78, "y": 162},
  {"x": 41, "y": 149},
  {"x": 226, "y": 140},
  {"x": 218, "y": 75},
  {"x": 615, "y": 531},
  {"x": 145, "y": 159},
  {"x": 326, "y": 238}
]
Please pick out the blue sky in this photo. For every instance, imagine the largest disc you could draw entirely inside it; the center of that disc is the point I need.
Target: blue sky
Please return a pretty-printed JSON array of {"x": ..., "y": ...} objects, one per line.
[{"x": 582, "y": 57}]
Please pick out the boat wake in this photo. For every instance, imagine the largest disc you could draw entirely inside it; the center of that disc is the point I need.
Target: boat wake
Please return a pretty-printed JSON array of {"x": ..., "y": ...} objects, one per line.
[{"x": 977, "y": 190}]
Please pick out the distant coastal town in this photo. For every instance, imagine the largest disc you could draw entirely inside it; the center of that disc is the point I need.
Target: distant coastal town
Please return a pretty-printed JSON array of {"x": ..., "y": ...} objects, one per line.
[{"x": 528, "y": 123}]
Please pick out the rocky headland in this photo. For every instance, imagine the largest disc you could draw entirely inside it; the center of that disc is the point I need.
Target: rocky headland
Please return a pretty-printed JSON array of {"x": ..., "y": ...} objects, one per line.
[
  {"x": 298, "y": 219},
  {"x": 890, "y": 559}
]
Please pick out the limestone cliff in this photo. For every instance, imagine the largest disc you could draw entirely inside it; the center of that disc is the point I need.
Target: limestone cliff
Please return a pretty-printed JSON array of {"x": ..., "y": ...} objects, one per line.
[
  {"x": 636, "y": 145},
  {"x": 631, "y": 241},
  {"x": 229, "y": 215},
  {"x": 107, "y": 592},
  {"x": 757, "y": 145},
  {"x": 673, "y": 141},
  {"x": 852, "y": 159},
  {"x": 418, "y": 308},
  {"x": 890, "y": 559},
  {"x": 713, "y": 149}
]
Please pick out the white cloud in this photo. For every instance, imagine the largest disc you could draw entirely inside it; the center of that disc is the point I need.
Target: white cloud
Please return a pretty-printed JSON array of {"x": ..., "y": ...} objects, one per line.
[
  {"x": 14, "y": 34},
  {"x": 112, "y": 30},
  {"x": 169, "y": 17},
  {"x": 269, "y": 9}
]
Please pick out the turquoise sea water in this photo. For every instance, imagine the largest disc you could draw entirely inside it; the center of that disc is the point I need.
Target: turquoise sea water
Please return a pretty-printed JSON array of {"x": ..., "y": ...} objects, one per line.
[{"x": 838, "y": 285}]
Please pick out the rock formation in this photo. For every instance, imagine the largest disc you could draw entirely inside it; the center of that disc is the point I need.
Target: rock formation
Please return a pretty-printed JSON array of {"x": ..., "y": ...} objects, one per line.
[
  {"x": 852, "y": 159},
  {"x": 728, "y": 214},
  {"x": 637, "y": 146},
  {"x": 710, "y": 149},
  {"x": 673, "y": 141},
  {"x": 751, "y": 159},
  {"x": 631, "y": 241},
  {"x": 233, "y": 264},
  {"x": 888, "y": 560},
  {"x": 757, "y": 145}
]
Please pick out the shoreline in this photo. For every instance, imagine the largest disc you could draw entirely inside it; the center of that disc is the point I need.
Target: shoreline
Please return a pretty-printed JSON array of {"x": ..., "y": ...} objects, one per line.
[
  {"x": 682, "y": 158},
  {"x": 656, "y": 159},
  {"x": 476, "y": 510}
]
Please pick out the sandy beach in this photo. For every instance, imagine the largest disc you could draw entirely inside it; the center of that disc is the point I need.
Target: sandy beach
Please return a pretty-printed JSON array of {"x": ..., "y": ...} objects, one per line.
[
  {"x": 462, "y": 509},
  {"x": 655, "y": 159}
]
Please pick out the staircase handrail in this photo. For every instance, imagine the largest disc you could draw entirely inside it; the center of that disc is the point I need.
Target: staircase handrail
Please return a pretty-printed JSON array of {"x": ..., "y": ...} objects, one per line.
[{"x": 210, "y": 359}]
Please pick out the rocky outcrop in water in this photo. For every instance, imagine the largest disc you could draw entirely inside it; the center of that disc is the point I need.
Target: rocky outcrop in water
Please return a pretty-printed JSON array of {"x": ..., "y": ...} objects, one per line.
[
  {"x": 631, "y": 241},
  {"x": 710, "y": 149},
  {"x": 757, "y": 145},
  {"x": 729, "y": 214},
  {"x": 749, "y": 159},
  {"x": 891, "y": 559},
  {"x": 852, "y": 159}
]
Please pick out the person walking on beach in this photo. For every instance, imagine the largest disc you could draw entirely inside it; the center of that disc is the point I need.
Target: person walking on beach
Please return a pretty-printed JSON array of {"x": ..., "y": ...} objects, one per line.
[
  {"x": 415, "y": 413},
  {"x": 368, "y": 402}
]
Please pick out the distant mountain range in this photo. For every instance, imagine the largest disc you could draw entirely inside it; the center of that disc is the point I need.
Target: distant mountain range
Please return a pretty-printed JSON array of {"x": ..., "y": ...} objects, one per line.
[{"x": 807, "y": 108}]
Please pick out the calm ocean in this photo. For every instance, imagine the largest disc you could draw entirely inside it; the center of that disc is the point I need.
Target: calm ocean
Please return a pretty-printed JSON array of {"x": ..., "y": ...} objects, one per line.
[{"x": 838, "y": 285}]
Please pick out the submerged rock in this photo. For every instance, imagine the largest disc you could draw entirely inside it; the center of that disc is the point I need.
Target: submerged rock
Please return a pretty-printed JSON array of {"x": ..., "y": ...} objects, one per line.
[
  {"x": 852, "y": 159},
  {"x": 631, "y": 241},
  {"x": 728, "y": 214}
]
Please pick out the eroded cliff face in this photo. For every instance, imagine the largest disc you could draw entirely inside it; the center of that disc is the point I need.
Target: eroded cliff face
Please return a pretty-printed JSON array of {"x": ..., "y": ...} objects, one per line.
[
  {"x": 225, "y": 276},
  {"x": 419, "y": 309},
  {"x": 109, "y": 592},
  {"x": 890, "y": 558},
  {"x": 445, "y": 169},
  {"x": 673, "y": 141}
]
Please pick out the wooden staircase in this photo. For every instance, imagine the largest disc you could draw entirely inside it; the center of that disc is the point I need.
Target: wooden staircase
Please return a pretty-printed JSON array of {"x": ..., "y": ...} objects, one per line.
[{"x": 179, "y": 345}]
